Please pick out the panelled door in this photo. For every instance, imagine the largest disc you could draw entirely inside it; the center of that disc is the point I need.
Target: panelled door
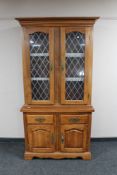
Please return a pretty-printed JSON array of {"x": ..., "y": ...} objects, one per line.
[
  {"x": 39, "y": 65},
  {"x": 74, "y": 60},
  {"x": 41, "y": 138},
  {"x": 73, "y": 137}
]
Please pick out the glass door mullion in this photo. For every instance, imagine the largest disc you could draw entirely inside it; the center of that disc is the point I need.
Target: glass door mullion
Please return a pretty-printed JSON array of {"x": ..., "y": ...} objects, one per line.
[
  {"x": 73, "y": 57},
  {"x": 41, "y": 58}
]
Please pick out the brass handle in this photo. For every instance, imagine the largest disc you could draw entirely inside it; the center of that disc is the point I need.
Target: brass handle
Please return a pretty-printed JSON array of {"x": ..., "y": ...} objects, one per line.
[
  {"x": 74, "y": 120},
  {"x": 52, "y": 139},
  {"x": 62, "y": 67},
  {"x": 62, "y": 139},
  {"x": 40, "y": 119}
]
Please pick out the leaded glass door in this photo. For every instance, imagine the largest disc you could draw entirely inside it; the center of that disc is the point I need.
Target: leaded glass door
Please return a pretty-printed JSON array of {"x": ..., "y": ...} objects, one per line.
[
  {"x": 41, "y": 65},
  {"x": 73, "y": 66}
]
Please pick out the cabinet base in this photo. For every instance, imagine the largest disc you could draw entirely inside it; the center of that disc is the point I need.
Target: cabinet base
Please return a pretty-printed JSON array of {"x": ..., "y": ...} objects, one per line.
[{"x": 57, "y": 155}]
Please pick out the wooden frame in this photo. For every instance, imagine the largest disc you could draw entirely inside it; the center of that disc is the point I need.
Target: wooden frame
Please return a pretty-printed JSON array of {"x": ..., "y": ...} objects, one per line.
[
  {"x": 87, "y": 54},
  {"x": 70, "y": 129},
  {"x": 57, "y": 115},
  {"x": 26, "y": 64}
]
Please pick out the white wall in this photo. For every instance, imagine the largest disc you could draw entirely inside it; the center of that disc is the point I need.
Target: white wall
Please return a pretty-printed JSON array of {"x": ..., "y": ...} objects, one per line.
[
  {"x": 104, "y": 64},
  {"x": 15, "y": 8},
  {"x": 105, "y": 79},
  {"x": 11, "y": 87}
]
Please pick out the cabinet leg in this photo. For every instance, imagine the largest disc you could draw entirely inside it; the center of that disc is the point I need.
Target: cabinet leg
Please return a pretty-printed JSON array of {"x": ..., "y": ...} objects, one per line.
[
  {"x": 27, "y": 157},
  {"x": 86, "y": 156}
]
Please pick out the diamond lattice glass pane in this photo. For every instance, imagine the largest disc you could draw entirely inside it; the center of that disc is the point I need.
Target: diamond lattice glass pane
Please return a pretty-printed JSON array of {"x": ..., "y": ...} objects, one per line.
[
  {"x": 40, "y": 90},
  {"x": 74, "y": 90},
  {"x": 39, "y": 59},
  {"x": 75, "y": 57}
]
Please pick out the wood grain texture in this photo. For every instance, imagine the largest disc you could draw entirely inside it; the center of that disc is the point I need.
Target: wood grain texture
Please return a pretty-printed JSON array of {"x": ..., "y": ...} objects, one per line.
[
  {"x": 27, "y": 65},
  {"x": 57, "y": 108},
  {"x": 40, "y": 119},
  {"x": 64, "y": 31},
  {"x": 72, "y": 119},
  {"x": 41, "y": 138},
  {"x": 58, "y": 155},
  {"x": 74, "y": 138},
  {"x": 57, "y": 128},
  {"x": 58, "y": 21}
]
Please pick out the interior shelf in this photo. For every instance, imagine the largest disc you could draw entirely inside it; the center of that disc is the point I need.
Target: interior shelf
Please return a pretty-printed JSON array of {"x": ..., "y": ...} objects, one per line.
[
  {"x": 39, "y": 54},
  {"x": 75, "y": 79},
  {"x": 40, "y": 79},
  {"x": 74, "y": 55}
]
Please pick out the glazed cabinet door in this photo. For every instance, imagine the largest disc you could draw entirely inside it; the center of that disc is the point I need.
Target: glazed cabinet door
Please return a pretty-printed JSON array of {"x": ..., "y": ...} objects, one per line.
[
  {"x": 74, "y": 65},
  {"x": 73, "y": 138},
  {"x": 41, "y": 138},
  {"x": 39, "y": 65}
]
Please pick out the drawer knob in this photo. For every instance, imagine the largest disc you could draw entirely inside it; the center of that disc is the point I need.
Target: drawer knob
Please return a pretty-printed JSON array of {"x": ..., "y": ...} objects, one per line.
[
  {"x": 40, "y": 119},
  {"x": 74, "y": 120}
]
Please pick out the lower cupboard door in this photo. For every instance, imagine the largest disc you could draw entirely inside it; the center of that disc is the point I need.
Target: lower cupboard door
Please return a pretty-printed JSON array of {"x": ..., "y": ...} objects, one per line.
[
  {"x": 41, "y": 138},
  {"x": 74, "y": 138}
]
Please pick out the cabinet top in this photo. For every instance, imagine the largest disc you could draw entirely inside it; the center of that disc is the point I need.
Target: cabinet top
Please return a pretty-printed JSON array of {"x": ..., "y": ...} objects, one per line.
[{"x": 57, "y": 21}]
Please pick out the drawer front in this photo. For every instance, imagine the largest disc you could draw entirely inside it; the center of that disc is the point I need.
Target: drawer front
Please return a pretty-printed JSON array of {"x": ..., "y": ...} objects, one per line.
[
  {"x": 40, "y": 119},
  {"x": 67, "y": 119}
]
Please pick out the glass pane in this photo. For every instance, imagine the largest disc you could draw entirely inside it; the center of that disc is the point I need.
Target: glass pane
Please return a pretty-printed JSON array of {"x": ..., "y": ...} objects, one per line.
[
  {"x": 75, "y": 57},
  {"x": 39, "y": 58}
]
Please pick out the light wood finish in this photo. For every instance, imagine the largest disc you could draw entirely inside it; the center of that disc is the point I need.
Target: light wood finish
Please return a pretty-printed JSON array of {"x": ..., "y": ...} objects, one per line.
[
  {"x": 40, "y": 119},
  {"x": 26, "y": 64},
  {"x": 58, "y": 155},
  {"x": 64, "y": 31},
  {"x": 57, "y": 128},
  {"x": 58, "y": 21},
  {"x": 57, "y": 108},
  {"x": 41, "y": 138},
  {"x": 73, "y": 138},
  {"x": 71, "y": 119}
]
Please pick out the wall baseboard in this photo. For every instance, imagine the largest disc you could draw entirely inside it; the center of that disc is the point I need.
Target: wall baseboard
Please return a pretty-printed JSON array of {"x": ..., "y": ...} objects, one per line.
[
  {"x": 5, "y": 139},
  {"x": 103, "y": 139}
]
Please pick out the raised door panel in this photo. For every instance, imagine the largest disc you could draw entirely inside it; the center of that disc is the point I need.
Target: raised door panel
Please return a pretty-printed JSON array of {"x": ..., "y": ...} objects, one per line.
[
  {"x": 41, "y": 138},
  {"x": 74, "y": 65},
  {"x": 73, "y": 138},
  {"x": 39, "y": 65}
]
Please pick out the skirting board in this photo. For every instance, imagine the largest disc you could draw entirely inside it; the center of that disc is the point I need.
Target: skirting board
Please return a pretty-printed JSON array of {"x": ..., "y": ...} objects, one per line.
[{"x": 104, "y": 139}]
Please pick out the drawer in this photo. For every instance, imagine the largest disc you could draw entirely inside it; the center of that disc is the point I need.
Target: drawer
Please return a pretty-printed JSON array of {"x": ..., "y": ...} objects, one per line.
[
  {"x": 65, "y": 119},
  {"x": 40, "y": 119}
]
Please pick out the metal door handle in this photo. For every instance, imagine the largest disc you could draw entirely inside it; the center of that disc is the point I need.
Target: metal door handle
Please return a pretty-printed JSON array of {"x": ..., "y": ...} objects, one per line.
[
  {"x": 40, "y": 119},
  {"x": 74, "y": 120},
  {"x": 62, "y": 139}
]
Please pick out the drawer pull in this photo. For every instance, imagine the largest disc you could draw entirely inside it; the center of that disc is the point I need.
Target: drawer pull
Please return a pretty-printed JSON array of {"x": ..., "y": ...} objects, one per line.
[
  {"x": 74, "y": 120},
  {"x": 40, "y": 119}
]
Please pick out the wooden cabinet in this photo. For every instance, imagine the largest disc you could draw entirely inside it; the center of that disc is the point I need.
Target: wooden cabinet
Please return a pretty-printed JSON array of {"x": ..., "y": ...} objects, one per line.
[
  {"x": 73, "y": 138},
  {"x": 57, "y": 72},
  {"x": 41, "y": 138}
]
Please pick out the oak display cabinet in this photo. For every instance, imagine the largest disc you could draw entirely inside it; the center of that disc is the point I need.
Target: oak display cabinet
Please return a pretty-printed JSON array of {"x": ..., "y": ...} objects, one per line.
[{"x": 57, "y": 73}]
